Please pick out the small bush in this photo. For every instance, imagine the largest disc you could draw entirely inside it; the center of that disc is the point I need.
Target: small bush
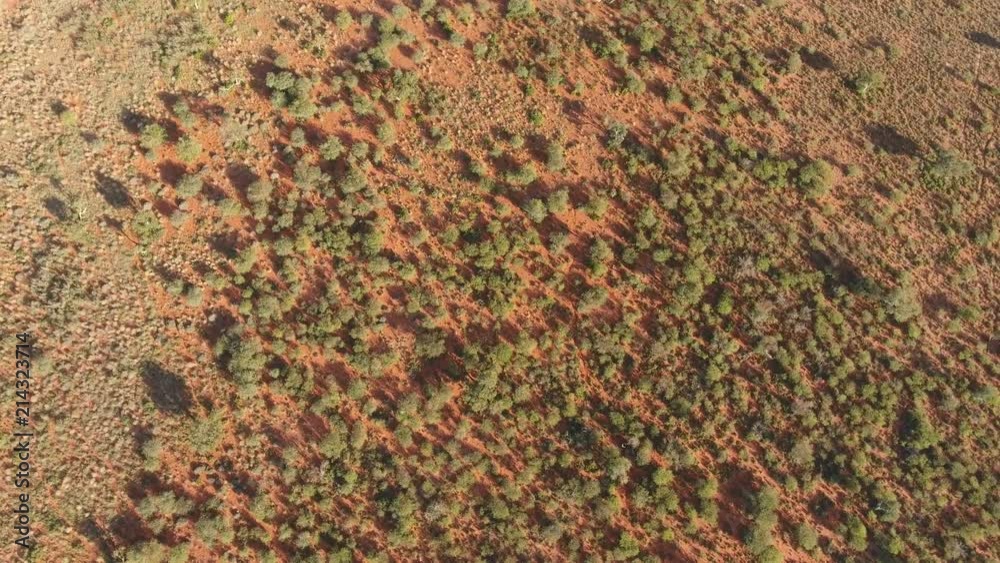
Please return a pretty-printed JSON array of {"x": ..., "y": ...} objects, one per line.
[
  {"x": 946, "y": 167},
  {"x": 343, "y": 20},
  {"x": 558, "y": 201},
  {"x": 332, "y": 148},
  {"x": 556, "y": 159},
  {"x": 260, "y": 191},
  {"x": 153, "y": 136},
  {"x": 206, "y": 433},
  {"x": 535, "y": 210},
  {"x": 816, "y": 178},
  {"x": 146, "y": 226},
  {"x": 189, "y": 186},
  {"x": 867, "y": 83},
  {"x": 616, "y": 135},
  {"x": 523, "y": 175},
  {"x": 520, "y": 9}
]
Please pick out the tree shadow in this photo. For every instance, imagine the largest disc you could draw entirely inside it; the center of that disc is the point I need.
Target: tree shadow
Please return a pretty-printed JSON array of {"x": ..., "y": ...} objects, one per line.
[
  {"x": 168, "y": 391},
  {"x": 89, "y": 529},
  {"x": 132, "y": 121},
  {"x": 171, "y": 172},
  {"x": 890, "y": 140},
  {"x": 57, "y": 208},
  {"x": 240, "y": 176},
  {"x": 817, "y": 60},
  {"x": 113, "y": 191},
  {"x": 984, "y": 39}
]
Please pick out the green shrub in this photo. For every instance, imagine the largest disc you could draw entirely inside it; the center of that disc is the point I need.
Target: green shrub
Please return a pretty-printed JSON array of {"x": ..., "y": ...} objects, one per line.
[
  {"x": 343, "y": 20},
  {"x": 206, "y": 433},
  {"x": 188, "y": 149},
  {"x": 189, "y": 186},
  {"x": 760, "y": 538},
  {"x": 153, "y": 136},
  {"x": 362, "y": 105},
  {"x": 523, "y": 175},
  {"x": 806, "y": 537},
  {"x": 616, "y": 135},
  {"x": 857, "y": 533},
  {"x": 647, "y": 35},
  {"x": 599, "y": 254},
  {"x": 628, "y": 547},
  {"x": 597, "y": 207},
  {"x": 386, "y": 133},
  {"x": 592, "y": 298},
  {"x": 945, "y": 168},
  {"x": 558, "y": 201},
  {"x": 903, "y": 302},
  {"x": 147, "y": 226},
  {"x": 260, "y": 191},
  {"x": 867, "y": 82},
  {"x": 183, "y": 112},
  {"x": 634, "y": 84},
  {"x": 535, "y": 209},
  {"x": 816, "y": 178},
  {"x": 555, "y": 157},
  {"x": 332, "y": 148},
  {"x": 519, "y": 9}
]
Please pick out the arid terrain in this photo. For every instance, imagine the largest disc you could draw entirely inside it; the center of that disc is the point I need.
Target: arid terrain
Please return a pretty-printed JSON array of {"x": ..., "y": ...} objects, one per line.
[{"x": 522, "y": 280}]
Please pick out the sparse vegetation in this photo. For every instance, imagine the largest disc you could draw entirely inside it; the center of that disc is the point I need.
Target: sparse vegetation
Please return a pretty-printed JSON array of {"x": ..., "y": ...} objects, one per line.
[{"x": 507, "y": 281}]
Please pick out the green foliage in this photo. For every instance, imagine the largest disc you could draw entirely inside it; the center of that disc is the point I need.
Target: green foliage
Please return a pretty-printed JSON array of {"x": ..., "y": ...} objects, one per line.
[
  {"x": 243, "y": 356},
  {"x": 523, "y": 175},
  {"x": 616, "y": 135},
  {"x": 634, "y": 84},
  {"x": 332, "y": 148},
  {"x": 592, "y": 298},
  {"x": 945, "y": 168},
  {"x": 205, "y": 433},
  {"x": 291, "y": 92},
  {"x": 903, "y": 302},
  {"x": 558, "y": 201},
  {"x": 146, "y": 552},
  {"x": 806, "y": 537},
  {"x": 429, "y": 345},
  {"x": 189, "y": 186},
  {"x": 183, "y": 112},
  {"x": 597, "y": 207},
  {"x": 362, "y": 105},
  {"x": 260, "y": 191},
  {"x": 147, "y": 226},
  {"x": 214, "y": 530},
  {"x": 760, "y": 539},
  {"x": 867, "y": 82},
  {"x": 343, "y": 20},
  {"x": 816, "y": 178},
  {"x": 535, "y": 210},
  {"x": 628, "y": 547},
  {"x": 918, "y": 431},
  {"x": 857, "y": 533},
  {"x": 310, "y": 177},
  {"x": 246, "y": 260},
  {"x": 354, "y": 180},
  {"x": 188, "y": 149},
  {"x": 386, "y": 133},
  {"x": 647, "y": 35},
  {"x": 794, "y": 63},
  {"x": 599, "y": 255},
  {"x": 520, "y": 9},
  {"x": 555, "y": 159},
  {"x": 152, "y": 136}
]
